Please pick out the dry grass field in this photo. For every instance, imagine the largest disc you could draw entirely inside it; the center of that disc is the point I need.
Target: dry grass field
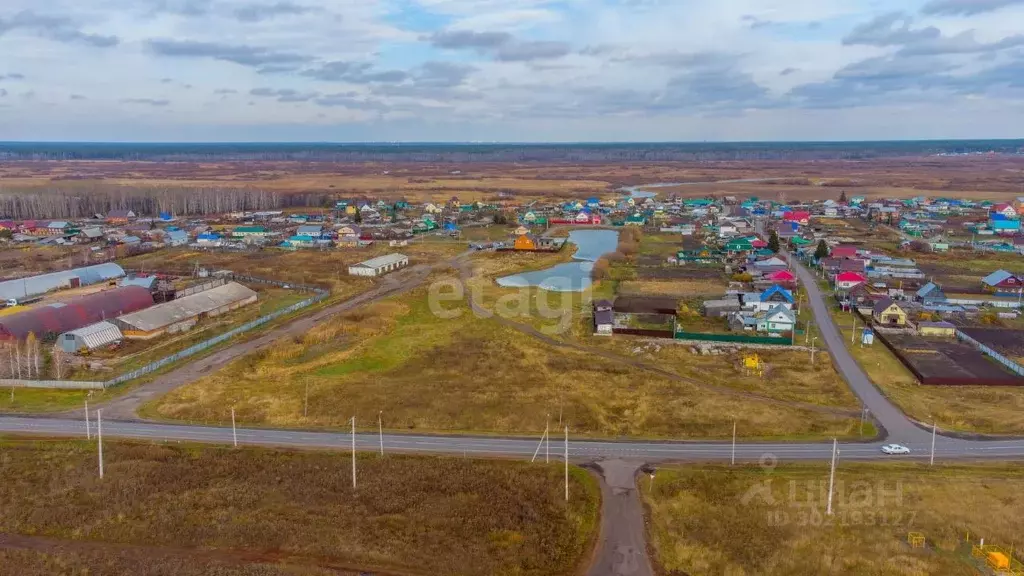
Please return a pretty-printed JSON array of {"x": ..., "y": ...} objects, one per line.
[
  {"x": 466, "y": 374},
  {"x": 748, "y": 520},
  {"x": 211, "y": 510}
]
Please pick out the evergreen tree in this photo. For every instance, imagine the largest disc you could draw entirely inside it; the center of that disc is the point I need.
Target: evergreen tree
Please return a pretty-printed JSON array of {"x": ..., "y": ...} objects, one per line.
[
  {"x": 773, "y": 242},
  {"x": 821, "y": 251},
  {"x": 842, "y": 196}
]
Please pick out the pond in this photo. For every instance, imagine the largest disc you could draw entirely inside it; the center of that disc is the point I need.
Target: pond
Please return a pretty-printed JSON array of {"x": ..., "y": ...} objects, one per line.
[{"x": 569, "y": 276}]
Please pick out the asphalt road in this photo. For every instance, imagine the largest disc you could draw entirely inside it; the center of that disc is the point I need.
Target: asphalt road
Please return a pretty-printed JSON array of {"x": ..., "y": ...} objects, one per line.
[{"x": 580, "y": 450}]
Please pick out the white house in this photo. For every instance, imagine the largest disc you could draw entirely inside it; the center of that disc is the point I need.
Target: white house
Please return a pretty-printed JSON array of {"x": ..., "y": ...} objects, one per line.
[
  {"x": 380, "y": 265},
  {"x": 777, "y": 320}
]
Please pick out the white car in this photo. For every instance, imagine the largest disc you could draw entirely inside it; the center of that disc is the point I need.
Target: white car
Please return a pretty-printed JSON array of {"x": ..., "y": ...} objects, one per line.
[{"x": 895, "y": 449}]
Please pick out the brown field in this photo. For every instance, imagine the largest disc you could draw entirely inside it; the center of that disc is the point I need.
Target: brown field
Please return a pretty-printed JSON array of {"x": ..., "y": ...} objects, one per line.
[
  {"x": 996, "y": 177},
  {"x": 211, "y": 510},
  {"x": 469, "y": 374},
  {"x": 748, "y": 520}
]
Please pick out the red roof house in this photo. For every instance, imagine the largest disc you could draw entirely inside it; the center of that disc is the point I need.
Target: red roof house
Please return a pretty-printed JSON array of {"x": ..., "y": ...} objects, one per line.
[
  {"x": 801, "y": 217},
  {"x": 782, "y": 277},
  {"x": 847, "y": 280},
  {"x": 844, "y": 251},
  {"x": 758, "y": 243}
]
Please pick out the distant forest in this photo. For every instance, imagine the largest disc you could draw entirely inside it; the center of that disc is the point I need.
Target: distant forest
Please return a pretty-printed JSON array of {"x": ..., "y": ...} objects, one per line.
[
  {"x": 426, "y": 152},
  {"x": 83, "y": 202}
]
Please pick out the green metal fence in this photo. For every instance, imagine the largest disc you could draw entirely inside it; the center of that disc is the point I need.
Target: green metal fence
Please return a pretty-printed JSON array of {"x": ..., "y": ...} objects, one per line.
[{"x": 735, "y": 338}]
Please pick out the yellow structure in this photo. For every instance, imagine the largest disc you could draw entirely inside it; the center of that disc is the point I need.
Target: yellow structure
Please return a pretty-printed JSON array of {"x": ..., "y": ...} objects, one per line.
[
  {"x": 524, "y": 242},
  {"x": 889, "y": 313},
  {"x": 999, "y": 560},
  {"x": 916, "y": 540},
  {"x": 752, "y": 364}
]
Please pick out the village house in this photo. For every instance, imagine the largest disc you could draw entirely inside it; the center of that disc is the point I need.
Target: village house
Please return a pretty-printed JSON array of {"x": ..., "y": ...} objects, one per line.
[
  {"x": 1001, "y": 281},
  {"x": 778, "y": 320},
  {"x": 939, "y": 329},
  {"x": 887, "y": 312},
  {"x": 379, "y": 266},
  {"x": 930, "y": 294},
  {"x": 604, "y": 318},
  {"x": 120, "y": 216},
  {"x": 847, "y": 280}
]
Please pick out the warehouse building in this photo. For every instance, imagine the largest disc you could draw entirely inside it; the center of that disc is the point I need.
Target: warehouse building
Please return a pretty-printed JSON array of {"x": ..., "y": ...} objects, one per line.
[
  {"x": 182, "y": 314},
  {"x": 90, "y": 337},
  {"x": 50, "y": 320},
  {"x": 23, "y": 288},
  {"x": 379, "y": 266}
]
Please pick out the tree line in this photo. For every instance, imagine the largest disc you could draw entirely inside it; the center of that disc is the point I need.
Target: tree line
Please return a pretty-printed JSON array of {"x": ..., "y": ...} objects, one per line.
[{"x": 27, "y": 203}]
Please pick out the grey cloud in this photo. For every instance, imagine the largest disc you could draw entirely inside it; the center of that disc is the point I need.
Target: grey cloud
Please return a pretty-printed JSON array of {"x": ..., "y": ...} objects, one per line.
[
  {"x": 146, "y": 101},
  {"x": 284, "y": 95},
  {"x": 77, "y": 97},
  {"x": 714, "y": 90},
  {"x": 897, "y": 79},
  {"x": 189, "y": 8},
  {"x": 252, "y": 56},
  {"x": 12, "y": 76},
  {"x": 755, "y": 23},
  {"x": 600, "y": 50},
  {"x": 892, "y": 29},
  {"x": 467, "y": 39},
  {"x": 3, "y": 93},
  {"x": 443, "y": 74},
  {"x": 503, "y": 46},
  {"x": 166, "y": 80},
  {"x": 528, "y": 51},
  {"x": 675, "y": 59},
  {"x": 261, "y": 12},
  {"x": 788, "y": 71},
  {"x": 963, "y": 43},
  {"x": 965, "y": 7},
  {"x": 57, "y": 28},
  {"x": 354, "y": 72},
  {"x": 225, "y": 91},
  {"x": 350, "y": 100}
]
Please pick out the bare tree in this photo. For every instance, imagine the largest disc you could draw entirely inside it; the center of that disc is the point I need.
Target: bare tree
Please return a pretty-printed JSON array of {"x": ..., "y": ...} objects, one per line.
[{"x": 59, "y": 357}]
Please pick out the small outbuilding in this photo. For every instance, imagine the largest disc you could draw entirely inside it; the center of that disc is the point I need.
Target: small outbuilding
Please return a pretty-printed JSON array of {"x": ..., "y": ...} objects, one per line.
[
  {"x": 380, "y": 265},
  {"x": 90, "y": 337}
]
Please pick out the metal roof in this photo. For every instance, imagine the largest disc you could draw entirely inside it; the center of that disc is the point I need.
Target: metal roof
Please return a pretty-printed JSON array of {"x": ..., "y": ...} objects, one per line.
[
  {"x": 163, "y": 315},
  {"x": 381, "y": 261},
  {"x": 64, "y": 316},
  {"x": 95, "y": 335},
  {"x": 36, "y": 285}
]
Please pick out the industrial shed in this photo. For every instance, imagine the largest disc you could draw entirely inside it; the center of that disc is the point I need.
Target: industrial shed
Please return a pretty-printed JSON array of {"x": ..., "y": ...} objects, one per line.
[
  {"x": 90, "y": 337},
  {"x": 379, "y": 266},
  {"x": 182, "y": 314},
  {"x": 36, "y": 285},
  {"x": 50, "y": 320}
]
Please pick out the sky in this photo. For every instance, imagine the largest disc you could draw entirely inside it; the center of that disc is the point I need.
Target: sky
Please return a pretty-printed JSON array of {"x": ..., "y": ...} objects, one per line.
[{"x": 510, "y": 70}]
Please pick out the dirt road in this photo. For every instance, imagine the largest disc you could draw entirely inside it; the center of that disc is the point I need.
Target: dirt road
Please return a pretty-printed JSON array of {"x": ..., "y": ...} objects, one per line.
[{"x": 125, "y": 407}]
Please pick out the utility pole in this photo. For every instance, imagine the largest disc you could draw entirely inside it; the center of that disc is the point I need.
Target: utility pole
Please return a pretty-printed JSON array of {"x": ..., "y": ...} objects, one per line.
[
  {"x": 807, "y": 331},
  {"x": 234, "y": 433},
  {"x": 931, "y": 461},
  {"x": 305, "y": 402},
  {"x": 380, "y": 431},
  {"x": 353, "y": 452},
  {"x": 99, "y": 437},
  {"x": 853, "y": 334},
  {"x": 733, "y": 442},
  {"x": 812, "y": 349},
  {"x": 863, "y": 416},
  {"x": 547, "y": 440},
  {"x": 832, "y": 476},
  {"x": 88, "y": 433},
  {"x": 566, "y": 463}
]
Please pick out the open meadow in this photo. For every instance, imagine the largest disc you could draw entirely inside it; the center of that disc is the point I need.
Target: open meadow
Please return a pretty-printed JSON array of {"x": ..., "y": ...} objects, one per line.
[
  {"x": 214, "y": 510},
  {"x": 749, "y": 520},
  {"x": 444, "y": 369}
]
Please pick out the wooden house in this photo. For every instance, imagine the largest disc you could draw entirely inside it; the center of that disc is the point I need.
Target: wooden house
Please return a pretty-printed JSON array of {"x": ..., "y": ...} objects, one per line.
[{"x": 887, "y": 312}]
